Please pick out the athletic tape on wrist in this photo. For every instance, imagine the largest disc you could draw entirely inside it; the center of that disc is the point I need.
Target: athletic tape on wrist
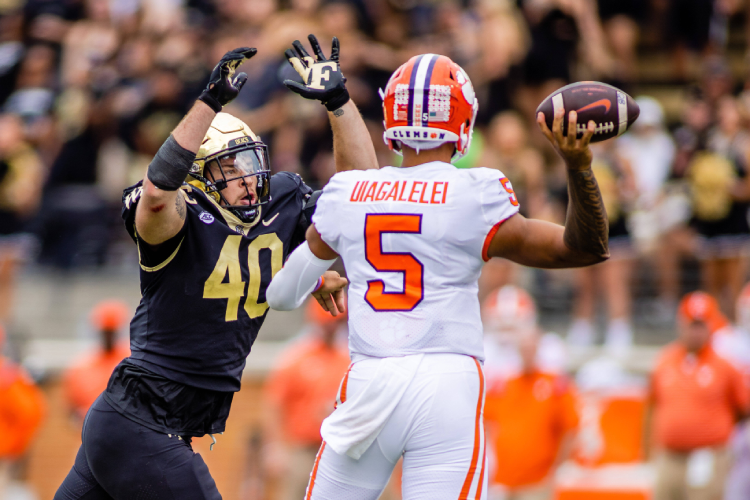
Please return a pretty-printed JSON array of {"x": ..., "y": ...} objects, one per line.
[{"x": 170, "y": 166}]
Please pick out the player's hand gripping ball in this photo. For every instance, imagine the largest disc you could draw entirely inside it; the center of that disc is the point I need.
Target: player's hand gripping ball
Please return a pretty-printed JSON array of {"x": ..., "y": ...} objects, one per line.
[
  {"x": 223, "y": 86},
  {"x": 612, "y": 110},
  {"x": 322, "y": 79}
]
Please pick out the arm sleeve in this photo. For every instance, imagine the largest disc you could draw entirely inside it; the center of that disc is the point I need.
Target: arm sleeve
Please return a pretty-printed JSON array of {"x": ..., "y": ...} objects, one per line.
[
  {"x": 497, "y": 203},
  {"x": 299, "y": 276}
]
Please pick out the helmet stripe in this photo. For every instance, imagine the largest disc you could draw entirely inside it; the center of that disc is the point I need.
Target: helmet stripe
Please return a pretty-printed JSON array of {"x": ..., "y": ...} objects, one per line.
[
  {"x": 418, "y": 96},
  {"x": 426, "y": 93},
  {"x": 412, "y": 83}
]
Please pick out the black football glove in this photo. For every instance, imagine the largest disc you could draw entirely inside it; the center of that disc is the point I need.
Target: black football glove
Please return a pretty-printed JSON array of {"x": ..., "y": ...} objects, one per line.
[
  {"x": 223, "y": 86},
  {"x": 322, "y": 78}
]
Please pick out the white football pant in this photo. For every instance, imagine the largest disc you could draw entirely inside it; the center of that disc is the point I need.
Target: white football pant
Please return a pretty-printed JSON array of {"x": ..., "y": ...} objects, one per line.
[{"x": 437, "y": 427}]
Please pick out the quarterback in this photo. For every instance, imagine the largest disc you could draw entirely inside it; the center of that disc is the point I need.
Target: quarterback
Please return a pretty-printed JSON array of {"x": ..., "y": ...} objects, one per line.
[
  {"x": 413, "y": 240},
  {"x": 208, "y": 249}
]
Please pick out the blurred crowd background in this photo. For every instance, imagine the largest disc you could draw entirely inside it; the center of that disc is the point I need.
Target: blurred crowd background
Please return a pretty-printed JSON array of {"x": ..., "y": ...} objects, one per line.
[{"x": 89, "y": 90}]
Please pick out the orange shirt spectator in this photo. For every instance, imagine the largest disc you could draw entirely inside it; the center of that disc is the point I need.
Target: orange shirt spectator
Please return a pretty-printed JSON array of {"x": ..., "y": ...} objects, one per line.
[
  {"x": 87, "y": 377},
  {"x": 21, "y": 409},
  {"x": 304, "y": 386},
  {"x": 697, "y": 398},
  {"x": 527, "y": 421}
]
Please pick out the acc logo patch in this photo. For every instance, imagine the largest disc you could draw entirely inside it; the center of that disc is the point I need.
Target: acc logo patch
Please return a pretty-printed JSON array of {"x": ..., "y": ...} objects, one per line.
[{"x": 206, "y": 217}]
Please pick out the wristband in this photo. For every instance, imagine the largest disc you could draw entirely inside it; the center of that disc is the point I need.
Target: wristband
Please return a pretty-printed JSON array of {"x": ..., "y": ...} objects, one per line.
[
  {"x": 321, "y": 282},
  {"x": 170, "y": 166}
]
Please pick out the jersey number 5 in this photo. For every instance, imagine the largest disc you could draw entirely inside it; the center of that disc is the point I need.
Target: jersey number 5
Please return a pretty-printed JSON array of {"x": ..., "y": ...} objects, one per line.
[
  {"x": 229, "y": 263},
  {"x": 396, "y": 262}
]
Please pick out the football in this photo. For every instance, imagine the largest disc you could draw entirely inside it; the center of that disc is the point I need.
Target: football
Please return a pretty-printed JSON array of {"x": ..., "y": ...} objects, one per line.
[{"x": 610, "y": 108}]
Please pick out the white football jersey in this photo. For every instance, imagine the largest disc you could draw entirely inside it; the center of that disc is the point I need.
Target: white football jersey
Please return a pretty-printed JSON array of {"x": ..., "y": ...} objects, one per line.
[{"x": 413, "y": 241}]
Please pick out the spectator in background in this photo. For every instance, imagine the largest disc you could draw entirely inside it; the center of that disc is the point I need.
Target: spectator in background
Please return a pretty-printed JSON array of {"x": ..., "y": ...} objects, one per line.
[
  {"x": 610, "y": 279},
  {"x": 507, "y": 148},
  {"x": 649, "y": 149},
  {"x": 698, "y": 28},
  {"x": 507, "y": 313},
  {"x": 726, "y": 340},
  {"x": 530, "y": 422},
  {"x": 21, "y": 178},
  {"x": 503, "y": 41},
  {"x": 738, "y": 483},
  {"x": 299, "y": 394},
  {"x": 88, "y": 375},
  {"x": 563, "y": 33},
  {"x": 697, "y": 397},
  {"x": 22, "y": 408},
  {"x": 655, "y": 221},
  {"x": 678, "y": 240},
  {"x": 621, "y": 20},
  {"x": 720, "y": 191}
]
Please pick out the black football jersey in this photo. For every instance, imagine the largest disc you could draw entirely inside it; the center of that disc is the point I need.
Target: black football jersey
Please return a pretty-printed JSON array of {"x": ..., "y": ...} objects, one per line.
[{"x": 202, "y": 305}]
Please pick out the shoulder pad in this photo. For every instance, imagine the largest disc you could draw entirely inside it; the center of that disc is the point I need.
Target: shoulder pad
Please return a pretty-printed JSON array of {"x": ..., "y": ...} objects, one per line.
[
  {"x": 131, "y": 195},
  {"x": 311, "y": 199},
  {"x": 308, "y": 208}
]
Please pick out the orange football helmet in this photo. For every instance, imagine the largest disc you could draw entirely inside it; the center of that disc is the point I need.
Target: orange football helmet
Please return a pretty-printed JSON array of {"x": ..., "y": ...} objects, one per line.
[
  {"x": 429, "y": 99},
  {"x": 508, "y": 309},
  {"x": 110, "y": 314}
]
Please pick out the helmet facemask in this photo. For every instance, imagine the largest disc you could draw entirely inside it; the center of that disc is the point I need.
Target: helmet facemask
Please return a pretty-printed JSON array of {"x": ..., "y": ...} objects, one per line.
[{"x": 240, "y": 176}]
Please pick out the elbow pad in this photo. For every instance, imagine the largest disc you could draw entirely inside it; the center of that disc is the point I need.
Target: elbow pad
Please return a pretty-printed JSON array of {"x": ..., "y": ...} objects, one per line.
[{"x": 170, "y": 166}]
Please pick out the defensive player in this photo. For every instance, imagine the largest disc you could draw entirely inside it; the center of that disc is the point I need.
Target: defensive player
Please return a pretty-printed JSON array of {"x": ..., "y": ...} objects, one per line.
[
  {"x": 208, "y": 250},
  {"x": 413, "y": 240}
]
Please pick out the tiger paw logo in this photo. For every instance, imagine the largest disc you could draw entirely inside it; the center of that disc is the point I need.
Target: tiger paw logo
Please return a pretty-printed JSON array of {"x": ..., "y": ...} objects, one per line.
[
  {"x": 392, "y": 331},
  {"x": 467, "y": 89}
]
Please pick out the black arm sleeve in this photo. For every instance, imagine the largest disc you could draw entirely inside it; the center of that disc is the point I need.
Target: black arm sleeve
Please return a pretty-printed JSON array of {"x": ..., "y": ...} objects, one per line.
[{"x": 170, "y": 166}]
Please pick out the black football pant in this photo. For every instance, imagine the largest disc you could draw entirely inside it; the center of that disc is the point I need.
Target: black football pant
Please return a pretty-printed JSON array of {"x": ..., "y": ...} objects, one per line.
[{"x": 122, "y": 460}]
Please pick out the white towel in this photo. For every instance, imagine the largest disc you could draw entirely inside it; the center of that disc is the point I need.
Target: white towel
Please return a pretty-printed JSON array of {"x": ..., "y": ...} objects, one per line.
[{"x": 356, "y": 423}]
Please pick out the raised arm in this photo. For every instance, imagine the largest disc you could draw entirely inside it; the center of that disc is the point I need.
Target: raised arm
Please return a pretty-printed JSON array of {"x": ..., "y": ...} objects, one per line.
[
  {"x": 324, "y": 82},
  {"x": 161, "y": 212},
  {"x": 584, "y": 238}
]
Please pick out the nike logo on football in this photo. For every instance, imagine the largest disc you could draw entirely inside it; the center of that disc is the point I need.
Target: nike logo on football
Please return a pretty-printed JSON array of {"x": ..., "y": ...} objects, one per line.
[
  {"x": 269, "y": 221},
  {"x": 601, "y": 102}
]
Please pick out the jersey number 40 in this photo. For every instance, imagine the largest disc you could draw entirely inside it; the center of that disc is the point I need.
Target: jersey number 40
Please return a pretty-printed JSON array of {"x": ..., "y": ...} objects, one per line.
[
  {"x": 399, "y": 262},
  {"x": 229, "y": 263}
]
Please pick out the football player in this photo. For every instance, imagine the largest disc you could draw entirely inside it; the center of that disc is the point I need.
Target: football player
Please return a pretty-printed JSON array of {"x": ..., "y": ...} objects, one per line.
[
  {"x": 207, "y": 249},
  {"x": 413, "y": 240}
]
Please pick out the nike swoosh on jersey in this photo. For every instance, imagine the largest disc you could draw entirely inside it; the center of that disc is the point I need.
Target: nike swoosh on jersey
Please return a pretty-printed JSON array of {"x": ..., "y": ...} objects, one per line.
[
  {"x": 601, "y": 102},
  {"x": 269, "y": 221}
]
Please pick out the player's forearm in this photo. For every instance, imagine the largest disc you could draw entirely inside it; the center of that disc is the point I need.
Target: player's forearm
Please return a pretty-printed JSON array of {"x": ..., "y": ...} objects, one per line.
[
  {"x": 161, "y": 211},
  {"x": 352, "y": 144},
  {"x": 586, "y": 224},
  {"x": 297, "y": 279},
  {"x": 192, "y": 129}
]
